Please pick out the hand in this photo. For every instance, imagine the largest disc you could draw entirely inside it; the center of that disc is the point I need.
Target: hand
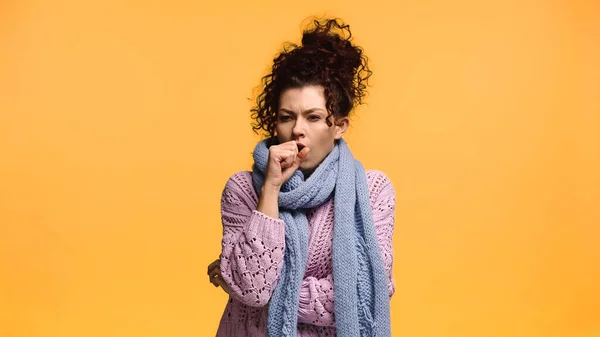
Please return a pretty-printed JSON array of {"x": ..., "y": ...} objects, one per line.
[
  {"x": 284, "y": 160},
  {"x": 214, "y": 276}
]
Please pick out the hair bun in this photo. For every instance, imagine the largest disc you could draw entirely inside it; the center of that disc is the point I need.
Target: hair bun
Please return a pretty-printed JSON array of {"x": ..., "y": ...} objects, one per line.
[{"x": 331, "y": 39}]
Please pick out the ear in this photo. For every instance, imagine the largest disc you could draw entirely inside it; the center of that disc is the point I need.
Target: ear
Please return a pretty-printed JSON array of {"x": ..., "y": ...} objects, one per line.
[{"x": 341, "y": 126}]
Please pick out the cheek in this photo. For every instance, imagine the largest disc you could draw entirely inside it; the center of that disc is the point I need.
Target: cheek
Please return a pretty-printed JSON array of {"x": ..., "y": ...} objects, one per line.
[
  {"x": 324, "y": 145},
  {"x": 282, "y": 134}
]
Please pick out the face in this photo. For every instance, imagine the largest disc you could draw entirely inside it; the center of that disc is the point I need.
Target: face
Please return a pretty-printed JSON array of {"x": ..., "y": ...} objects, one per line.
[{"x": 302, "y": 117}]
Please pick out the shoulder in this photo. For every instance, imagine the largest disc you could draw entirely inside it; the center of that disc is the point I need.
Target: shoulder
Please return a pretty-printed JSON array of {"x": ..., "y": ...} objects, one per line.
[
  {"x": 239, "y": 185},
  {"x": 240, "y": 178},
  {"x": 379, "y": 184}
]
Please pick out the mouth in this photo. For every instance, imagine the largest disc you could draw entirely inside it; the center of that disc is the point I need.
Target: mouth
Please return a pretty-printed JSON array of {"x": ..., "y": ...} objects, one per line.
[{"x": 300, "y": 146}]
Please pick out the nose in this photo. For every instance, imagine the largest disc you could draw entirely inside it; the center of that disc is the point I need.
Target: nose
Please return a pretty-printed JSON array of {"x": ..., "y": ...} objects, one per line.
[{"x": 298, "y": 130}]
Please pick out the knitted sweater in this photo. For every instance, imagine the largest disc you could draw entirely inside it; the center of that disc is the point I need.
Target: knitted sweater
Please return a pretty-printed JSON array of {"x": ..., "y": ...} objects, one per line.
[{"x": 252, "y": 256}]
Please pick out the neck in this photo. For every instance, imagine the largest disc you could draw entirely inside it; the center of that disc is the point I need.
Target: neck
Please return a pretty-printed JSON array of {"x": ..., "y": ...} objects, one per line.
[{"x": 307, "y": 173}]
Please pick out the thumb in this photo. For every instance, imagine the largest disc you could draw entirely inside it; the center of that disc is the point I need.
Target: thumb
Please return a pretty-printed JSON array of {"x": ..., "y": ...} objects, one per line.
[
  {"x": 300, "y": 158},
  {"x": 302, "y": 155}
]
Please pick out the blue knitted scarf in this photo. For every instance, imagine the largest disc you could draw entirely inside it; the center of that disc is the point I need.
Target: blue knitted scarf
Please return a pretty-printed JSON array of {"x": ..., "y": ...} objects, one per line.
[{"x": 361, "y": 299}]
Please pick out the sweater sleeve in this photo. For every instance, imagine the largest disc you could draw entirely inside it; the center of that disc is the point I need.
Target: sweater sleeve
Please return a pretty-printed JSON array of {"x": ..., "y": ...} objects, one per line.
[
  {"x": 383, "y": 202},
  {"x": 316, "y": 301},
  {"x": 252, "y": 246},
  {"x": 316, "y": 295}
]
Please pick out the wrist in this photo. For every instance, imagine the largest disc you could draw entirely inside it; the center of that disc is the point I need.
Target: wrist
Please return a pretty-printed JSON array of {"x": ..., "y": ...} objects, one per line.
[
  {"x": 270, "y": 188},
  {"x": 268, "y": 200}
]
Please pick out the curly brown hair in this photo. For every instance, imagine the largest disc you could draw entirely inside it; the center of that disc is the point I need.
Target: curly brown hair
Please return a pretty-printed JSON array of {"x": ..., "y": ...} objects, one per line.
[{"x": 327, "y": 58}]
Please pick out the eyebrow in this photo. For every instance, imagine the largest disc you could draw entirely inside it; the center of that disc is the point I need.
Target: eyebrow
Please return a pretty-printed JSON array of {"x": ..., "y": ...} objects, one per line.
[{"x": 311, "y": 110}]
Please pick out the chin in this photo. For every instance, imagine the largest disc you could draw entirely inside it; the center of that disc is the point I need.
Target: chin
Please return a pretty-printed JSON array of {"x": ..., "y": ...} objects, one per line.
[{"x": 306, "y": 166}]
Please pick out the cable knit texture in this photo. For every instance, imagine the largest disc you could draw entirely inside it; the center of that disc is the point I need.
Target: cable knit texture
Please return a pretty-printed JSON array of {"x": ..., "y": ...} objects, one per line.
[{"x": 252, "y": 258}]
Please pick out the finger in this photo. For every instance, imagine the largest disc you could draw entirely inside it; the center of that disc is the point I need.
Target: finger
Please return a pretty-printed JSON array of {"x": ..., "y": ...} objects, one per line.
[
  {"x": 287, "y": 159},
  {"x": 302, "y": 154},
  {"x": 214, "y": 272},
  {"x": 287, "y": 146},
  {"x": 212, "y": 278},
  {"x": 291, "y": 145},
  {"x": 217, "y": 281},
  {"x": 221, "y": 283},
  {"x": 295, "y": 147},
  {"x": 213, "y": 265},
  {"x": 300, "y": 157}
]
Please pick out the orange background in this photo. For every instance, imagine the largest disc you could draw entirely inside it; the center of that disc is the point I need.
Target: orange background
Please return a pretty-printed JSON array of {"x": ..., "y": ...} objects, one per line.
[{"x": 120, "y": 123}]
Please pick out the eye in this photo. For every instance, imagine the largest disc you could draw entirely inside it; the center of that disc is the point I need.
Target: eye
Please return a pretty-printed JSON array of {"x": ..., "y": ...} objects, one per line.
[
  {"x": 284, "y": 118},
  {"x": 314, "y": 117}
]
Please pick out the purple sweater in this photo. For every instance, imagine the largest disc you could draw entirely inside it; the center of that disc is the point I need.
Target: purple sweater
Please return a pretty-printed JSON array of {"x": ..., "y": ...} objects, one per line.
[{"x": 252, "y": 256}]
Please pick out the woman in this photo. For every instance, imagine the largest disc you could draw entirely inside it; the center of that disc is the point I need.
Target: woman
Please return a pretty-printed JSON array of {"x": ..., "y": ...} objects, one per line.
[{"x": 307, "y": 235}]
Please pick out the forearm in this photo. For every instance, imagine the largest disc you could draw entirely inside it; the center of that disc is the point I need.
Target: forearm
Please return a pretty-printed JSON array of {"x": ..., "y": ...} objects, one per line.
[
  {"x": 252, "y": 245},
  {"x": 268, "y": 203},
  {"x": 252, "y": 258}
]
